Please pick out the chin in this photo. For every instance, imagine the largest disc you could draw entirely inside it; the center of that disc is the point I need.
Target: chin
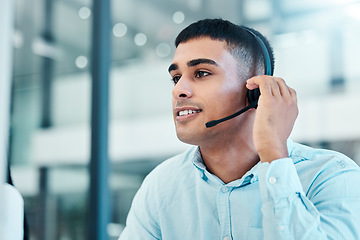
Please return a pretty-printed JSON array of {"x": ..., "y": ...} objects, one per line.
[{"x": 187, "y": 138}]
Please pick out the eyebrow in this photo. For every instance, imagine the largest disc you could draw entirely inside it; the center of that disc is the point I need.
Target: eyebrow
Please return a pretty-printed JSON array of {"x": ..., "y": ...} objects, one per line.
[
  {"x": 193, "y": 63},
  {"x": 198, "y": 61},
  {"x": 173, "y": 67}
]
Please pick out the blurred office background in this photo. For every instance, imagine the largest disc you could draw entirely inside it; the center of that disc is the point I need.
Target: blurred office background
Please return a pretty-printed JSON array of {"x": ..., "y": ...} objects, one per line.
[{"x": 317, "y": 50}]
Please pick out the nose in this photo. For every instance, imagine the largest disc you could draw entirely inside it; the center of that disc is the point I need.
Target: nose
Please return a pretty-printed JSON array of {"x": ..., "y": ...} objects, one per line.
[{"x": 182, "y": 89}]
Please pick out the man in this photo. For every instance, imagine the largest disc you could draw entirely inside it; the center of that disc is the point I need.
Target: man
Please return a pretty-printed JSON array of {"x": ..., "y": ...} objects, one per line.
[{"x": 243, "y": 179}]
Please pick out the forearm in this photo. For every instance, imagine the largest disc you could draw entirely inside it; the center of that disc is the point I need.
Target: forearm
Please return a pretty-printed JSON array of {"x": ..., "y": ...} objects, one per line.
[{"x": 289, "y": 219}]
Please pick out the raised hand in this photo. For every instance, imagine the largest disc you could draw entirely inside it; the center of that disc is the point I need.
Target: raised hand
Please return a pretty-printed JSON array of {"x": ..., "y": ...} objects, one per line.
[{"x": 275, "y": 116}]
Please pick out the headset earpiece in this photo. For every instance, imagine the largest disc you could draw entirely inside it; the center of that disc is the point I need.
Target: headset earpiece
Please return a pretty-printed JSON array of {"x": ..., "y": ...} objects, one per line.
[{"x": 253, "y": 96}]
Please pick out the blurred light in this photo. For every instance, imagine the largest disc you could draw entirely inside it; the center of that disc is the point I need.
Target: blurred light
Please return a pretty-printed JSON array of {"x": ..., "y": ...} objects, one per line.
[
  {"x": 344, "y": 1},
  {"x": 84, "y": 13},
  {"x": 163, "y": 50},
  {"x": 309, "y": 36},
  {"x": 119, "y": 30},
  {"x": 140, "y": 39},
  {"x": 178, "y": 17},
  {"x": 114, "y": 229},
  {"x": 287, "y": 40},
  {"x": 194, "y": 5},
  {"x": 45, "y": 49},
  {"x": 353, "y": 11},
  {"x": 258, "y": 9},
  {"x": 81, "y": 61},
  {"x": 293, "y": 39},
  {"x": 18, "y": 39}
]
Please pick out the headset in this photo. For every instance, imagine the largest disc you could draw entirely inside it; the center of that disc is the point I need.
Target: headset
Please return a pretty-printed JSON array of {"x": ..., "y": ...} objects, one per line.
[{"x": 252, "y": 95}]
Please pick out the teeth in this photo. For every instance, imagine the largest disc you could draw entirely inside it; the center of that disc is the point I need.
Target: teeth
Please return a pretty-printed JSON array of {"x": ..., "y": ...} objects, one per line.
[{"x": 186, "y": 112}]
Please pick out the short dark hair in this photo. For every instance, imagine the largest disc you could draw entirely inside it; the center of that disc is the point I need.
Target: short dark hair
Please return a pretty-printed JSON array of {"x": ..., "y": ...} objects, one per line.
[{"x": 239, "y": 41}]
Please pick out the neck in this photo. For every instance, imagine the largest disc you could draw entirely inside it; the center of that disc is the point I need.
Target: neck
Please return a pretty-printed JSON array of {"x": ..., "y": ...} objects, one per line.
[{"x": 229, "y": 162}]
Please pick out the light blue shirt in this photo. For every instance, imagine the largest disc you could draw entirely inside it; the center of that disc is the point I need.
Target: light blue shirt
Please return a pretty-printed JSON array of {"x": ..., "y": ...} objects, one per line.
[{"x": 313, "y": 194}]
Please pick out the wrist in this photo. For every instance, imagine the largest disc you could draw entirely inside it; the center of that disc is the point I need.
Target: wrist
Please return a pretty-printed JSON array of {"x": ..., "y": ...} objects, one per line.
[{"x": 272, "y": 152}]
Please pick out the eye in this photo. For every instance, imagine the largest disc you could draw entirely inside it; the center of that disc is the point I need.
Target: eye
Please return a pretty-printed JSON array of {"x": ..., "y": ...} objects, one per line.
[
  {"x": 176, "y": 79},
  {"x": 200, "y": 74}
]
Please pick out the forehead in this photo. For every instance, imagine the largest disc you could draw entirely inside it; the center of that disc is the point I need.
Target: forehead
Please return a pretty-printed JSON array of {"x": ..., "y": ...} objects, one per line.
[{"x": 200, "y": 48}]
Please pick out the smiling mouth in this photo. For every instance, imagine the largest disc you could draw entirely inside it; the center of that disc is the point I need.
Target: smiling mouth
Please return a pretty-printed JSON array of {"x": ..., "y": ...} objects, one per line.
[{"x": 187, "y": 112}]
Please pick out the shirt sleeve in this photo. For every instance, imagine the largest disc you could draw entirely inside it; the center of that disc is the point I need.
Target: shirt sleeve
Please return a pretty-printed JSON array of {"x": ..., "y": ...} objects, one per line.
[
  {"x": 332, "y": 211},
  {"x": 141, "y": 221}
]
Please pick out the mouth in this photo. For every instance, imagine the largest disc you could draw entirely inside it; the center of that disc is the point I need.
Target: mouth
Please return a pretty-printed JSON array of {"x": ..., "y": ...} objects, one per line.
[{"x": 186, "y": 111}]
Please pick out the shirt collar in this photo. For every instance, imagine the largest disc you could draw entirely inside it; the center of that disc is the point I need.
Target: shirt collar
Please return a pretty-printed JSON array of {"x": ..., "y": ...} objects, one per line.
[
  {"x": 198, "y": 162},
  {"x": 250, "y": 177}
]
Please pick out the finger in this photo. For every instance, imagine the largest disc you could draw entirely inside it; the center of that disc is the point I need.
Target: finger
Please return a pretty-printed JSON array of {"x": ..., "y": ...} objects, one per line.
[
  {"x": 260, "y": 82},
  {"x": 250, "y": 84},
  {"x": 284, "y": 89},
  {"x": 293, "y": 94},
  {"x": 275, "y": 89}
]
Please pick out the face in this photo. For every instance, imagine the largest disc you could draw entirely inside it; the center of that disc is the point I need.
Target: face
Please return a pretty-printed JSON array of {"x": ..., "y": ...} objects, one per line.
[{"x": 207, "y": 86}]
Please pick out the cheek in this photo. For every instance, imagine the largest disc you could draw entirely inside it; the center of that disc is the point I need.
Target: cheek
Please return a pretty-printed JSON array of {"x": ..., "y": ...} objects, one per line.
[
  {"x": 232, "y": 99},
  {"x": 173, "y": 103},
  {"x": 232, "y": 92}
]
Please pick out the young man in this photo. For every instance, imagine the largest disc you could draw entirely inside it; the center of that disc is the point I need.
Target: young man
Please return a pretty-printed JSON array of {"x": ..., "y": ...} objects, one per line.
[{"x": 243, "y": 179}]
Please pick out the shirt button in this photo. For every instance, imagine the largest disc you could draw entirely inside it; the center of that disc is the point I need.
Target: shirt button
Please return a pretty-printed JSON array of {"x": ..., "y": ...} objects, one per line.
[
  {"x": 224, "y": 189},
  {"x": 272, "y": 180},
  {"x": 281, "y": 228},
  {"x": 227, "y": 238}
]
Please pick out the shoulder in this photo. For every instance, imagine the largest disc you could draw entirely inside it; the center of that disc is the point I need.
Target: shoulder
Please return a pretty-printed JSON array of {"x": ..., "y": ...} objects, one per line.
[
  {"x": 176, "y": 164},
  {"x": 320, "y": 158},
  {"x": 171, "y": 170},
  {"x": 318, "y": 168}
]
